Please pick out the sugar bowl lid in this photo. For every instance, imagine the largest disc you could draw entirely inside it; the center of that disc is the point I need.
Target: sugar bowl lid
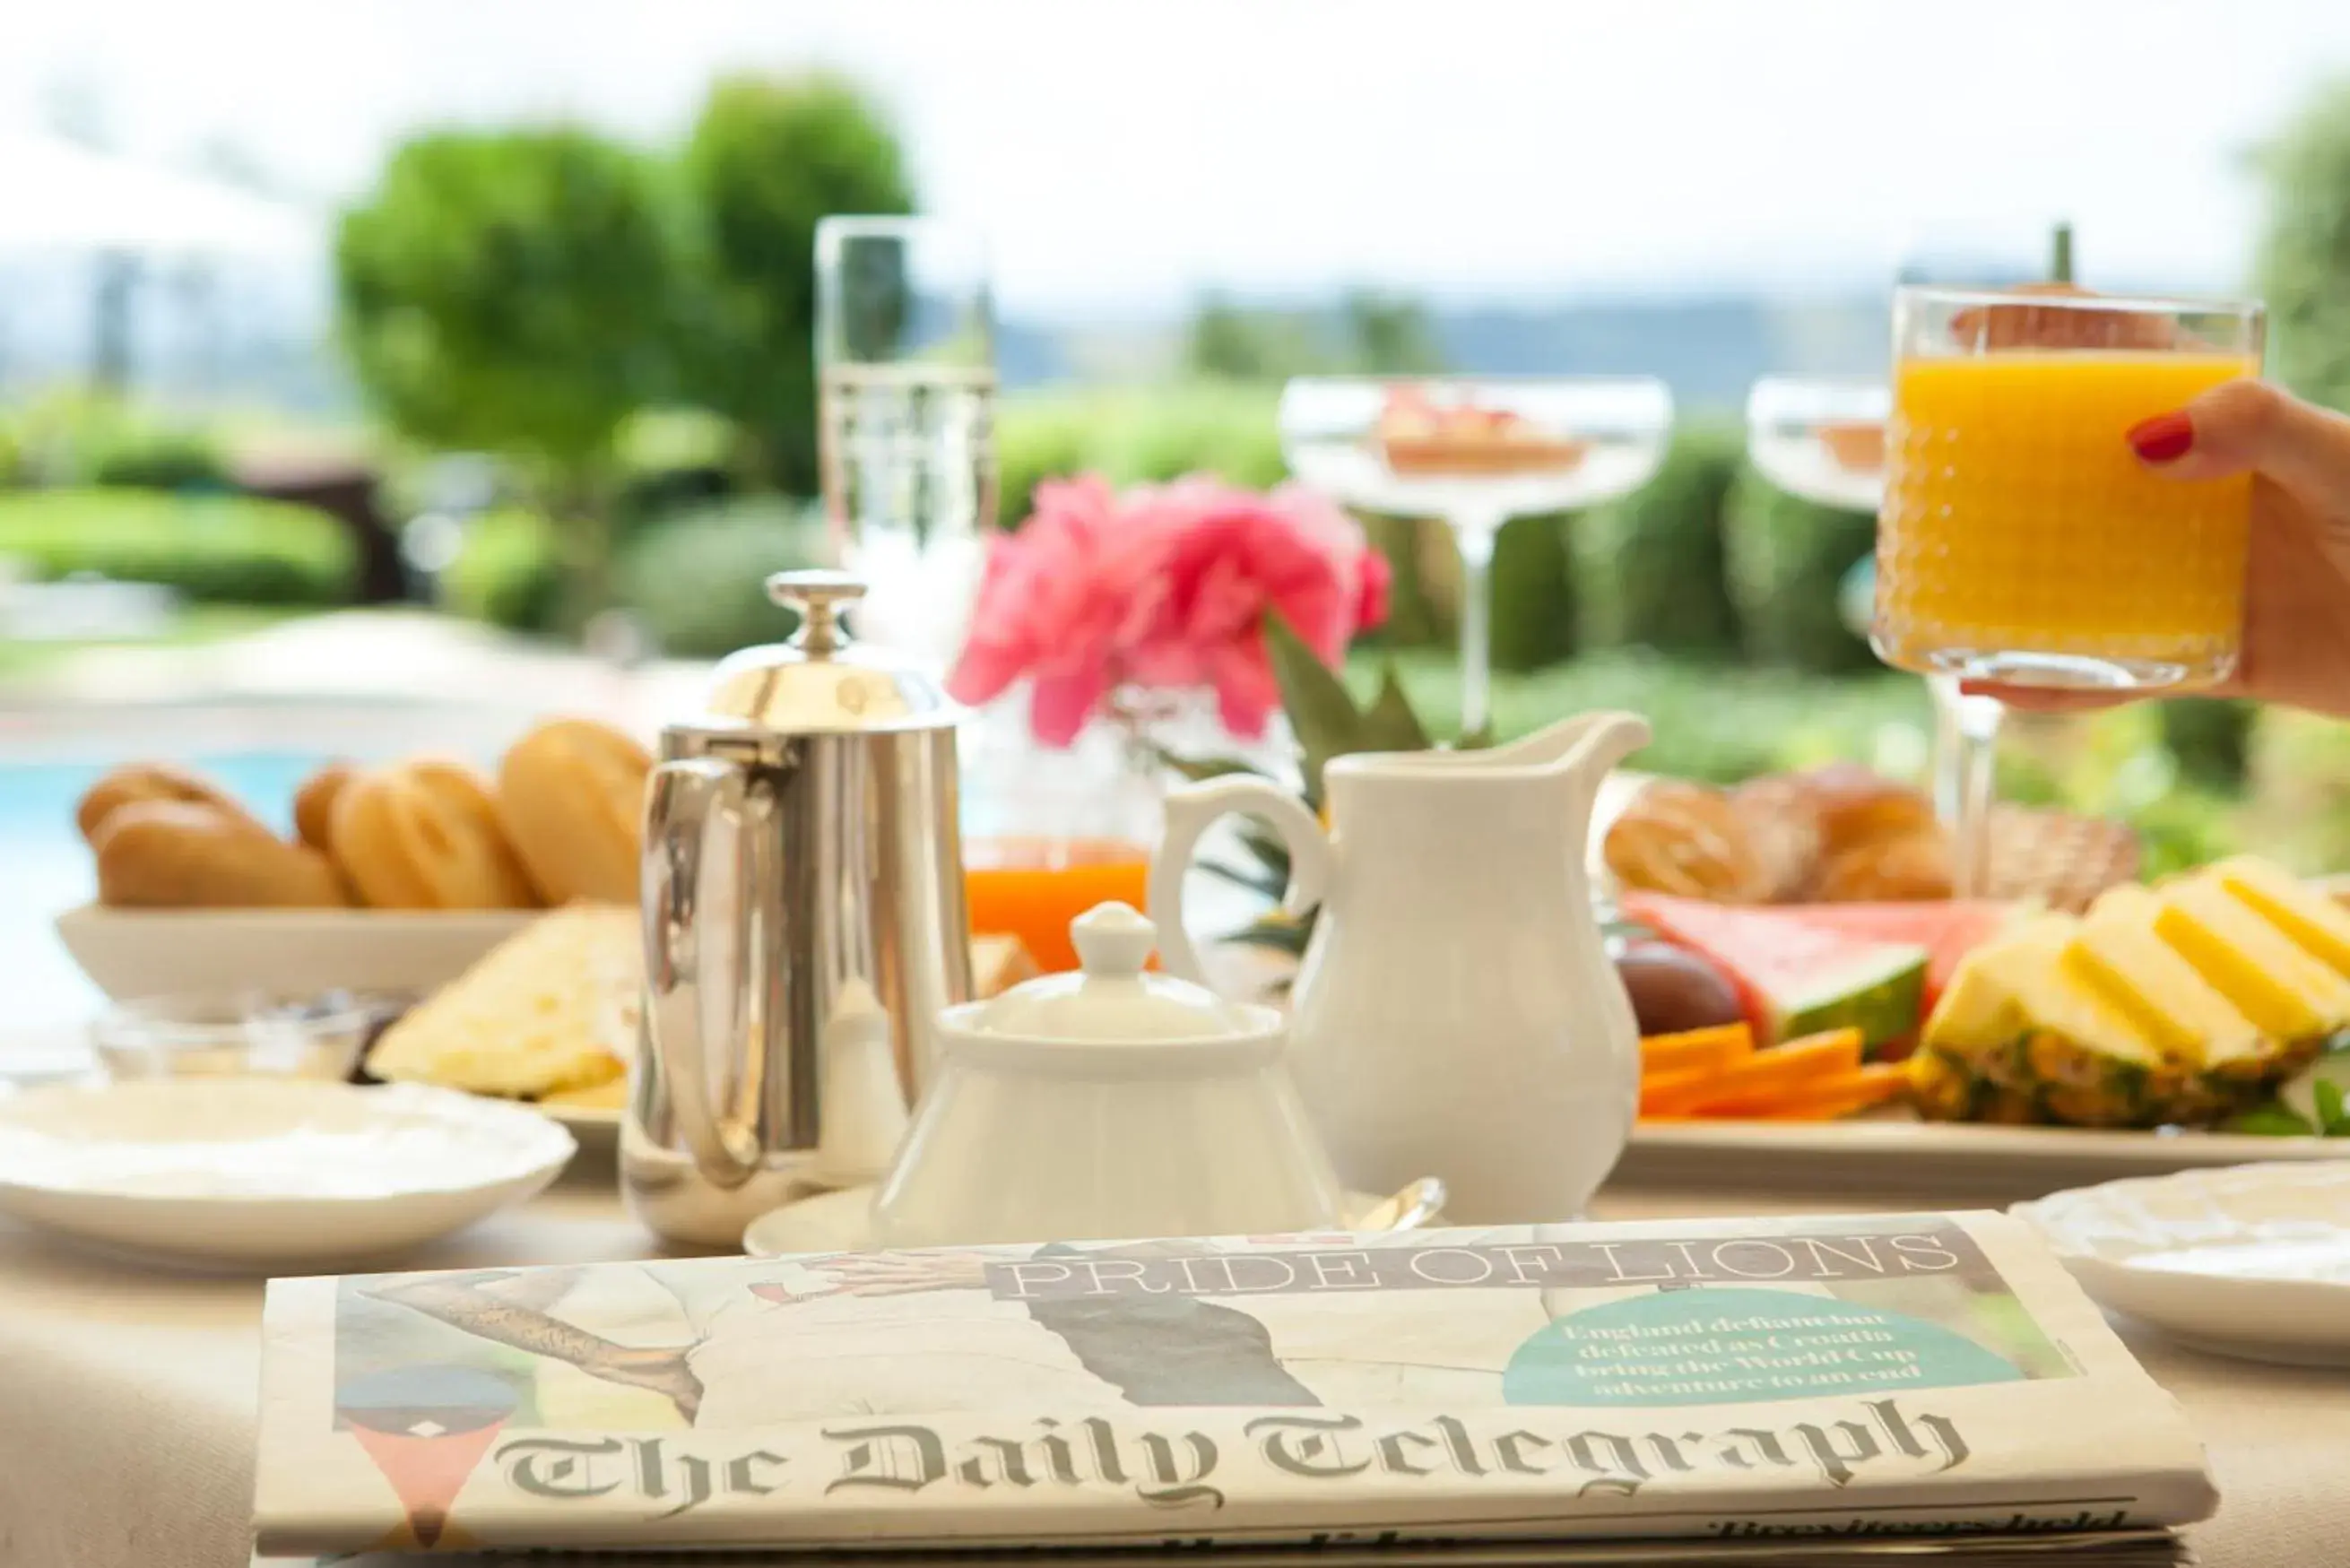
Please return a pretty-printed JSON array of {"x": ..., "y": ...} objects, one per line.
[
  {"x": 1111, "y": 998},
  {"x": 821, "y": 681}
]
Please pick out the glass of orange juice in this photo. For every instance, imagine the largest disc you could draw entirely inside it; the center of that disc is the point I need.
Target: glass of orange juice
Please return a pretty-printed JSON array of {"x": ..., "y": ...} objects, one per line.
[{"x": 2019, "y": 540}]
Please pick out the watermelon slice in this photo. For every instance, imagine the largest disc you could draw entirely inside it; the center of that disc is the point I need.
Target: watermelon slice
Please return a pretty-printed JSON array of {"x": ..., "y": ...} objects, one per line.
[
  {"x": 1794, "y": 977},
  {"x": 1949, "y": 929}
]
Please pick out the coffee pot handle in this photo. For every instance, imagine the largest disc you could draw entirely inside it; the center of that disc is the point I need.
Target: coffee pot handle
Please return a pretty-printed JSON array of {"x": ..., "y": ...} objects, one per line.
[
  {"x": 694, "y": 961},
  {"x": 1190, "y": 812}
]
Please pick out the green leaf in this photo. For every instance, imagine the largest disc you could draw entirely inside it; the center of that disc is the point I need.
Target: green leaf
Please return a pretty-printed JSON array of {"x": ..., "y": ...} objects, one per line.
[
  {"x": 1281, "y": 936},
  {"x": 2269, "y": 1121},
  {"x": 1474, "y": 740},
  {"x": 1389, "y": 723},
  {"x": 2333, "y": 1115},
  {"x": 1259, "y": 881},
  {"x": 1320, "y": 711}
]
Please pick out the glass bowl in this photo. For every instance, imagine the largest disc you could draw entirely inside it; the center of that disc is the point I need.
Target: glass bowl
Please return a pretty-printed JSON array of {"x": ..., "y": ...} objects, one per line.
[{"x": 207, "y": 1034}]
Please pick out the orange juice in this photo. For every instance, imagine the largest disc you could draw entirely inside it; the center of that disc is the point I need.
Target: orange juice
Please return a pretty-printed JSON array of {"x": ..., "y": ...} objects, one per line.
[
  {"x": 1032, "y": 887},
  {"x": 2021, "y": 539}
]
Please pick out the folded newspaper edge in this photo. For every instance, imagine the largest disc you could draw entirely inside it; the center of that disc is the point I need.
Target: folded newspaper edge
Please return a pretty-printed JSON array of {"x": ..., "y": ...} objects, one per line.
[
  {"x": 1911, "y": 1382},
  {"x": 2127, "y": 1549}
]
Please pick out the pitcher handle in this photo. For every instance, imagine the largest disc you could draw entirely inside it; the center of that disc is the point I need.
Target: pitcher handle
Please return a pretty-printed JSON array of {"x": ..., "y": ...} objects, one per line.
[
  {"x": 1190, "y": 812},
  {"x": 692, "y": 998}
]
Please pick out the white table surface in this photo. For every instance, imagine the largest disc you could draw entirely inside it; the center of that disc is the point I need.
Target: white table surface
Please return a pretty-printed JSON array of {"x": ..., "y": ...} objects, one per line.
[{"x": 128, "y": 1395}]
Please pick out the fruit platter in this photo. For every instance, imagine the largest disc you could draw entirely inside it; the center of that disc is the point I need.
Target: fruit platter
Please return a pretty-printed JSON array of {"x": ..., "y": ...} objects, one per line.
[{"x": 1816, "y": 1009}]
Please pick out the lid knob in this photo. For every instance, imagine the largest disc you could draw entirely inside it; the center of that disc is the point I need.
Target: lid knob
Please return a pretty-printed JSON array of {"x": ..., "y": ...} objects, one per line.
[
  {"x": 1113, "y": 939},
  {"x": 819, "y": 597}
]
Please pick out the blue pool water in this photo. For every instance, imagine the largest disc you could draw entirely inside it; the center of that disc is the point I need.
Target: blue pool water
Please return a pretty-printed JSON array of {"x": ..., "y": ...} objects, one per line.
[{"x": 45, "y": 867}]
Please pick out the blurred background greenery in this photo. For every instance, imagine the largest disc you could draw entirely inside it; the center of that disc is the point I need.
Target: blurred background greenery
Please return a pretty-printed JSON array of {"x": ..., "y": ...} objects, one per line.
[{"x": 623, "y": 336}]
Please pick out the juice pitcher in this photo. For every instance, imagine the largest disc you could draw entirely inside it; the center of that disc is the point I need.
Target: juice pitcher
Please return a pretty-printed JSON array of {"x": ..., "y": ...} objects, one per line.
[{"x": 1456, "y": 1011}]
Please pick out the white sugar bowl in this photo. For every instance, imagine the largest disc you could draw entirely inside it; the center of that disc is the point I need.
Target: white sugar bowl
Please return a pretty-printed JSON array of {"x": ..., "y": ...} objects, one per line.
[{"x": 1107, "y": 1104}]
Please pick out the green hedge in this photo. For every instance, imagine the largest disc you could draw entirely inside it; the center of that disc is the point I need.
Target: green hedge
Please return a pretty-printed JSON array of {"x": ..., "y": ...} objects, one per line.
[
  {"x": 1137, "y": 434},
  {"x": 225, "y": 549},
  {"x": 1786, "y": 558},
  {"x": 699, "y": 579},
  {"x": 507, "y": 573},
  {"x": 1649, "y": 568}
]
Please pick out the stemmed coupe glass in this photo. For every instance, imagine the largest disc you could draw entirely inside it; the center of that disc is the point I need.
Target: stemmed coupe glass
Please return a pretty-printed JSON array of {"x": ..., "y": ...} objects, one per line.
[{"x": 1475, "y": 454}]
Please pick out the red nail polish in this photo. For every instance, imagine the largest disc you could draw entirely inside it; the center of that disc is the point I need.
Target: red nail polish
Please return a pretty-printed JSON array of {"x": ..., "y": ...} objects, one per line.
[{"x": 2165, "y": 438}]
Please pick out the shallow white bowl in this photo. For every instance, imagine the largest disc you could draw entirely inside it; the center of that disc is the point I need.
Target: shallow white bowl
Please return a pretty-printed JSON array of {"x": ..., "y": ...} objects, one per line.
[
  {"x": 284, "y": 1174},
  {"x": 130, "y": 953},
  {"x": 2252, "y": 1262}
]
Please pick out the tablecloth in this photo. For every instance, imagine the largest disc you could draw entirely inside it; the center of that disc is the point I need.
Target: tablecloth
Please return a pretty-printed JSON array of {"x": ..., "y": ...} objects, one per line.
[{"x": 127, "y": 1402}]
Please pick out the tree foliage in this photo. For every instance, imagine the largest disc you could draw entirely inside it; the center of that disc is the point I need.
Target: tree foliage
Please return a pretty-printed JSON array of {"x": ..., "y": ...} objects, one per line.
[
  {"x": 767, "y": 160},
  {"x": 503, "y": 292},
  {"x": 2305, "y": 257}
]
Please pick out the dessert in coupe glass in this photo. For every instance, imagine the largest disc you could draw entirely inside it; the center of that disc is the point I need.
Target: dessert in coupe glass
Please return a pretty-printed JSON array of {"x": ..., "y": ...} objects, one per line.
[{"x": 1474, "y": 454}]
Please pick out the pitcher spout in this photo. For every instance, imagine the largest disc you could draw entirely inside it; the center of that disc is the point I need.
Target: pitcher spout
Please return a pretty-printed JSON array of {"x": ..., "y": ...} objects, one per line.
[
  {"x": 1602, "y": 742},
  {"x": 1586, "y": 746}
]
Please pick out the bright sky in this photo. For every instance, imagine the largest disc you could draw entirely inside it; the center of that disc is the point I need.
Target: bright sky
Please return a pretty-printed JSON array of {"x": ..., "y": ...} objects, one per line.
[{"x": 1125, "y": 153}]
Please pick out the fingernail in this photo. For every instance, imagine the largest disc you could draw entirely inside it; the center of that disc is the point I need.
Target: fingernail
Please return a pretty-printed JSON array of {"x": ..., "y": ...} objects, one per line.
[{"x": 2162, "y": 439}]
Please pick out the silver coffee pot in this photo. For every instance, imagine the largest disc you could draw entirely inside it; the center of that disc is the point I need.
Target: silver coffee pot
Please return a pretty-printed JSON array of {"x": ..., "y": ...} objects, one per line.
[{"x": 802, "y": 868}]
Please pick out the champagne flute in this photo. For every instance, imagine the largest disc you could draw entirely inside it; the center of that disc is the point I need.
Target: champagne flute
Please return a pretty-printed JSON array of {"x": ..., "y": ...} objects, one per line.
[{"x": 906, "y": 387}]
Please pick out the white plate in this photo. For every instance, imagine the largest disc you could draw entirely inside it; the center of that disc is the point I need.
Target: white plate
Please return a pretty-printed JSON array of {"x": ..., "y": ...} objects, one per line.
[
  {"x": 131, "y": 953},
  {"x": 1896, "y": 1153},
  {"x": 842, "y": 1222},
  {"x": 2252, "y": 1262},
  {"x": 287, "y": 1173}
]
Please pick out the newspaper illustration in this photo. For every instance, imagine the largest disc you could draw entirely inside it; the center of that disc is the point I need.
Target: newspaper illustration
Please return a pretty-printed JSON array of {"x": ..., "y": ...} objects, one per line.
[{"x": 1876, "y": 1377}]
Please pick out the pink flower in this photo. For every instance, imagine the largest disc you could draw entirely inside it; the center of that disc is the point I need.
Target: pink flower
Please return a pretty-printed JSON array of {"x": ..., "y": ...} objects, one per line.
[{"x": 1166, "y": 588}]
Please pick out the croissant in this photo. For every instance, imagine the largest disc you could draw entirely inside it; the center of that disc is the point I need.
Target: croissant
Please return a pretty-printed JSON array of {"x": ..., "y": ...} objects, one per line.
[{"x": 1685, "y": 839}]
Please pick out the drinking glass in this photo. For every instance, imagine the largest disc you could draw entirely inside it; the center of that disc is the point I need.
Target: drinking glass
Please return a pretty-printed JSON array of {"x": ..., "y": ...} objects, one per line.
[
  {"x": 1475, "y": 454},
  {"x": 2020, "y": 541},
  {"x": 906, "y": 387}
]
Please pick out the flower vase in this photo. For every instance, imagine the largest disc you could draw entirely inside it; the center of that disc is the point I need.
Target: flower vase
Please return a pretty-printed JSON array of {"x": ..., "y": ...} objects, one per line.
[{"x": 1051, "y": 831}]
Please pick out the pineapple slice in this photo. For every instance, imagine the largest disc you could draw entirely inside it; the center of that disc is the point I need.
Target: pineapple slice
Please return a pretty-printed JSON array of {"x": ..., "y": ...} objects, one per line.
[
  {"x": 2289, "y": 994},
  {"x": 2312, "y": 920},
  {"x": 2177, "y": 1008},
  {"x": 2033, "y": 1028}
]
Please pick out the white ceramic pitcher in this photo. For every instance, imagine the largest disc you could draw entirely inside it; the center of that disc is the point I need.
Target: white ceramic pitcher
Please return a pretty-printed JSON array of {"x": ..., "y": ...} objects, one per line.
[{"x": 1456, "y": 1011}]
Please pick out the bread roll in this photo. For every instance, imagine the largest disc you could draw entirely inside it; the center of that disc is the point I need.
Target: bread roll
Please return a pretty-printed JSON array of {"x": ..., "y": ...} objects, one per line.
[
  {"x": 159, "y": 781},
  {"x": 1908, "y": 869},
  {"x": 314, "y": 806},
  {"x": 571, "y": 794},
  {"x": 1781, "y": 816},
  {"x": 1685, "y": 839},
  {"x": 425, "y": 834},
  {"x": 1857, "y": 807},
  {"x": 185, "y": 855}
]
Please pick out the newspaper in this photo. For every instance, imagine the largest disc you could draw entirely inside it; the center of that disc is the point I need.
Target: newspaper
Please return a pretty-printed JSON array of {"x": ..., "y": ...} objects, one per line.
[{"x": 1916, "y": 1379}]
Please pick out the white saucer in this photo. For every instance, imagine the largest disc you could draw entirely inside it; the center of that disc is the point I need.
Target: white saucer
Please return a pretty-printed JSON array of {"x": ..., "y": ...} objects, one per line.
[
  {"x": 2252, "y": 1261},
  {"x": 842, "y": 1222},
  {"x": 286, "y": 1174}
]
